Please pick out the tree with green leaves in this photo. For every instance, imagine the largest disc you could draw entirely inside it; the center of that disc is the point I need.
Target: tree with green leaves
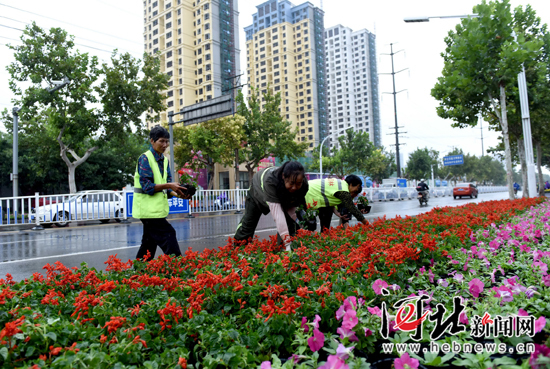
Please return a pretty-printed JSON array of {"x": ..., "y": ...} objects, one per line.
[
  {"x": 420, "y": 163},
  {"x": 354, "y": 150},
  {"x": 380, "y": 164},
  {"x": 206, "y": 144},
  {"x": 101, "y": 102},
  {"x": 265, "y": 131},
  {"x": 482, "y": 61}
]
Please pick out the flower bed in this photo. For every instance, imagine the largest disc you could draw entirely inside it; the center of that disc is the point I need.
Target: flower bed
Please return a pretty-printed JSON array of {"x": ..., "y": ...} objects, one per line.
[{"x": 240, "y": 306}]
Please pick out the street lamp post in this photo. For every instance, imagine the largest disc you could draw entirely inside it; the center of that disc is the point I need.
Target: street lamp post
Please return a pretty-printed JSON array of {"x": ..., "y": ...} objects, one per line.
[
  {"x": 321, "y": 152},
  {"x": 15, "y": 175},
  {"x": 524, "y": 105}
]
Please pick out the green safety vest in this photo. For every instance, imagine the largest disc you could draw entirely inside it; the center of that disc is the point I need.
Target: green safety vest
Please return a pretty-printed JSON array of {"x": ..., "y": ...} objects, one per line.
[
  {"x": 321, "y": 192},
  {"x": 147, "y": 206}
]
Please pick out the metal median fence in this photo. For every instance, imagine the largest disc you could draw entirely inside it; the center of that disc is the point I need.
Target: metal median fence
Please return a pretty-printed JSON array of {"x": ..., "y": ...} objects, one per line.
[{"x": 43, "y": 211}]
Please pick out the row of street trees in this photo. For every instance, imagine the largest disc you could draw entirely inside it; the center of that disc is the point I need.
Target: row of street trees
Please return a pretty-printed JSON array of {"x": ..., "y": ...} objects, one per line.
[
  {"x": 482, "y": 61},
  {"x": 96, "y": 123},
  {"x": 485, "y": 169},
  {"x": 257, "y": 131},
  {"x": 100, "y": 109}
]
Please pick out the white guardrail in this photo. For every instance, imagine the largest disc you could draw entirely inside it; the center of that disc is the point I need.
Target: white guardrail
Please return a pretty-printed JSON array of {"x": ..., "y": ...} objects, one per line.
[{"x": 105, "y": 206}]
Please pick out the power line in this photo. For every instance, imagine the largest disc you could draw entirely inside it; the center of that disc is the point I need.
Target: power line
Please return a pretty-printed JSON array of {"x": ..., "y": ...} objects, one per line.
[
  {"x": 81, "y": 38},
  {"x": 74, "y": 25},
  {"x": 90, "y": 47}
]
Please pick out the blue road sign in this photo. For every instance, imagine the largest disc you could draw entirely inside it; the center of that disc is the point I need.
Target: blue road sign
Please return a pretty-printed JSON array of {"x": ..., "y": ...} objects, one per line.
[
  {"x": 177, "y": 206},
  {"x": 453, "y": 160}
]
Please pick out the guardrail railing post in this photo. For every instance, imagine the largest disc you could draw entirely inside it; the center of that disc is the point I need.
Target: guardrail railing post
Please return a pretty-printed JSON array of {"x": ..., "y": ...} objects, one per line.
[
  {"x": 125, "y": 207},
  {"x": 38, "y": 226},
  {"x": 238, "y": 194}
]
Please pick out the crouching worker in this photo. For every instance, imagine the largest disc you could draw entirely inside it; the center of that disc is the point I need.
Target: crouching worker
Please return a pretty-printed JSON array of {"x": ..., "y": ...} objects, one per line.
[
  {"x": 326, "y": 194},
  {"x": 152, "y": 187},
  {"x": 275, "y": 190}
]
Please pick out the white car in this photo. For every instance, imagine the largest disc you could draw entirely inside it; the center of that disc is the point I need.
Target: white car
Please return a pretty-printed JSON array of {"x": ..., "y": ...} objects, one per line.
[{"x": 83, "y": 205}]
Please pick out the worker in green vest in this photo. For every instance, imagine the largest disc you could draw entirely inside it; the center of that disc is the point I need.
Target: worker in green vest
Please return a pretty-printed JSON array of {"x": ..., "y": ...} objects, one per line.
[
  {"x": 326, "y": 194},
  {"x": 152, "y": 187},
  {"x": 275, "y": 190}
]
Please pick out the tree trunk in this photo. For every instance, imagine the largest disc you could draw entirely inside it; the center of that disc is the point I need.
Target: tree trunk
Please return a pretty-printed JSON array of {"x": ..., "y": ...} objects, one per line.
[
  {"x": 250, "y": 170},
  {"x": 71, "y": 166},
  {"x": 506, "y": 138},
  {"x": 539, "y": 168},
  {"x": 523, "y": 162}
]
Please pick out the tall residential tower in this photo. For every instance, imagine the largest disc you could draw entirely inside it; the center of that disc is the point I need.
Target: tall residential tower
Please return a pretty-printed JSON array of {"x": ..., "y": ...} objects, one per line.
[
  {"x": 352, "y": 78},
  {"x": 198, "y": 44},
  {"x": 285, "y": 49}
]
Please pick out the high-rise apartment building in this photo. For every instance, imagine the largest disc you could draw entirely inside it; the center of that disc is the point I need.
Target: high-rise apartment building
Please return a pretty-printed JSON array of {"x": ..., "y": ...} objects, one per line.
[
  {"x": 352, "y": 79},
  {"x": 198, "y": 44},
  {"x": 285, "y": 51}
]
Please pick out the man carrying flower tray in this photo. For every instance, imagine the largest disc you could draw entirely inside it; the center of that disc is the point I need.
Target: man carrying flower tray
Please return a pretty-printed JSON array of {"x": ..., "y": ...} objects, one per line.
[{"x": 326, "y": 194}]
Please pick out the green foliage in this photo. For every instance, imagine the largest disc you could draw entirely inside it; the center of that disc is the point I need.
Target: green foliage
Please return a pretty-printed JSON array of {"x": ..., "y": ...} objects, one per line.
[
  {"x": 265, "y": 131},
  {"x": 420, "y": 162},
  {"x": 380, "y": 165},
  {"x": 485, "y": 169},
  {"x": 102, "y": 102},
  {"x": 481, "y": 55},
  {"x": 205, "y": 144},
  {"x": 352, "y": 156},
  {"x": 42, "y": 170}
]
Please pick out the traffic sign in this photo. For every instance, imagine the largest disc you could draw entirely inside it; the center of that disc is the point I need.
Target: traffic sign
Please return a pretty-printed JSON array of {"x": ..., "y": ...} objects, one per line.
[{"x": 453, "y": 160}]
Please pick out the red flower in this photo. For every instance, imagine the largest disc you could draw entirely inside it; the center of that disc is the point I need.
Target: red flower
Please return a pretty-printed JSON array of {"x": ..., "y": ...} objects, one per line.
[{"x": 182, "y": 362}]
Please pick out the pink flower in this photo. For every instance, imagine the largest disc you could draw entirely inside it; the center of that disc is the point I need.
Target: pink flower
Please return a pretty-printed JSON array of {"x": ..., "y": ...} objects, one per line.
[
  {"x": 463, "y": 318},
  {"x": 522, "y": 312},
  {"x": 266, "y": 365},
  {"x": 405, "y": 362},
  {"x": 475, "y": 287},
  {"x": 334, "y": 362},
  {"x": 443, "y": 282},
  {"x": 317, "y": 341},
  {"x": 524, "y": 248},
  {"x": 540, "y": 350},
  {"x": 304, "y": 324},
  {"x": 350, "y": 319},
  {"x": 431, "y": 276},
  {"x": 350, "y": 303},
  {"x": 458, "y": 277},
  {"x": 378, "y": 285},
  {"x": 340, "y": 312},
  {"x": 295, "y": 358},
  {"x": 316, "y": 321},
  {"x": 347, "y": 333},
  {"x": 546, "y": 280},
  {"x": 375, "y": 311},
  {"x": 343, "y": 352},
  {"x": 368, "y": 332},
  {"x": 542, "y": 267},
  {"x": 504, "y": 292},
  {"x": 540, "y": 323}
]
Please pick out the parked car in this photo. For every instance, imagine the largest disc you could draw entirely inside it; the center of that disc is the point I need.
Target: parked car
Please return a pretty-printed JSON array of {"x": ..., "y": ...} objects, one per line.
[
  {"x": 83, "y": 205},
  {"x": 465, "y": 189}
]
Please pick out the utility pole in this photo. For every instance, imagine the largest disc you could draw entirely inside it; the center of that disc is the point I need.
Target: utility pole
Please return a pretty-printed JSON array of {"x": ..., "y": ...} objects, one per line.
[
  {"x": 394, "y": 93},
  {"x": 235, "y": 83},
  {"x": 481, "y": 128},
  {"x": 15, "y": 174}
]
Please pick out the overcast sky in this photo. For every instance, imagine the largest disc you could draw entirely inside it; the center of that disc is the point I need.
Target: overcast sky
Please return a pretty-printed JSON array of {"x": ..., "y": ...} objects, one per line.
[{"x": 105, "y": 25}]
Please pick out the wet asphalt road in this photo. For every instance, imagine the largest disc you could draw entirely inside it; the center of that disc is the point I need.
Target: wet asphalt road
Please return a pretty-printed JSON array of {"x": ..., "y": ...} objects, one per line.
[{"x": 25, "y": 252}]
